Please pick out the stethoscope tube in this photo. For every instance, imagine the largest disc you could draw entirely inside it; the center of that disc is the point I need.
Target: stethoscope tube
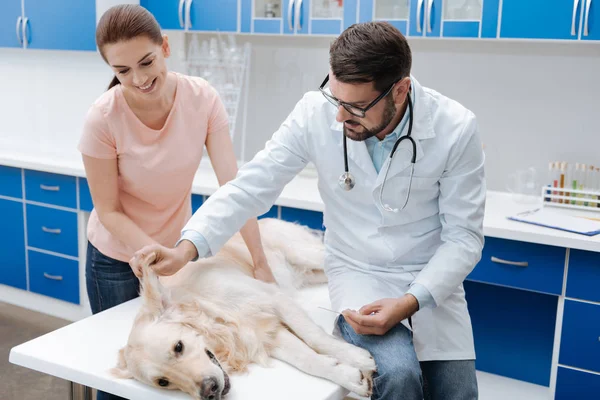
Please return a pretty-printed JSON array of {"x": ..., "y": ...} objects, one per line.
[{"x": 347, "y": 180}]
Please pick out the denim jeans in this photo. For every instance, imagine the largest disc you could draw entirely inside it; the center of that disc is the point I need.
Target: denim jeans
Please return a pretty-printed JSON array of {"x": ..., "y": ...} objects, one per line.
[
  {"x": 401, "y": 376},
  {"x": 109, "y": 283}
]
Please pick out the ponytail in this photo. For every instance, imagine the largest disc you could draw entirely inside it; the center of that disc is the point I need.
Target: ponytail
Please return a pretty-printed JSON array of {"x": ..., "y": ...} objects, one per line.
[{"x": 114, "y": 82}]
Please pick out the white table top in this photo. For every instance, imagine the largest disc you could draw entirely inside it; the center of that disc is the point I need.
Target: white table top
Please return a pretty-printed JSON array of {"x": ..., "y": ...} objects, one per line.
[
  {"x": 84, "y": 351},
  {"x": 302, "y": 193}
]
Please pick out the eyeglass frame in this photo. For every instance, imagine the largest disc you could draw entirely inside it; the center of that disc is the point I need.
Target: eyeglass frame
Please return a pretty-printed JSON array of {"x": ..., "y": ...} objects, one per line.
[{"x": 336, "y": 102}]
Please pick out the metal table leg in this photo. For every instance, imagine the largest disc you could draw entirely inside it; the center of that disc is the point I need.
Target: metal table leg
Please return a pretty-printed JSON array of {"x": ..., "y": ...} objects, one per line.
[{"x": 80, "y": 392}]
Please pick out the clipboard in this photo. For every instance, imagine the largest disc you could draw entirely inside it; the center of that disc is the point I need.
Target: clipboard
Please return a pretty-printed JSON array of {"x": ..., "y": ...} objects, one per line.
[{"x": 555, "y": 220}]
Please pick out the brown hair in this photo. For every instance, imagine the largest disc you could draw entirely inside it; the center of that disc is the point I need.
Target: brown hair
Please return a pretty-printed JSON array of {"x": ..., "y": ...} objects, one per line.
[
  {"x": 124, "y": 22},
  {"x": 370, "y": 52}
]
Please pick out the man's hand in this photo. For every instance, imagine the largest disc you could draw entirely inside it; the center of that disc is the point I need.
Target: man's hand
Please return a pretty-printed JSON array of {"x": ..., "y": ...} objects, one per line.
[
  {"x": 379, "y": 317},
  {"x": 263, "y": 272},
  {"x": 168, "y": 261}
]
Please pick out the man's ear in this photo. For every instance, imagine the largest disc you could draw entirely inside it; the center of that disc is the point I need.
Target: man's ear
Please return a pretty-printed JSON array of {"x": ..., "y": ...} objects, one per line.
[
  {"x": 155, "y": 296},
  {"x": 121, "y": 371}
]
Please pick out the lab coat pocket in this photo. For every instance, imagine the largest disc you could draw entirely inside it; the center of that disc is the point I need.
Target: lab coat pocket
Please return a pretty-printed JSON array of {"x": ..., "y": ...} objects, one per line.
[{"x": 412, "y": 200}]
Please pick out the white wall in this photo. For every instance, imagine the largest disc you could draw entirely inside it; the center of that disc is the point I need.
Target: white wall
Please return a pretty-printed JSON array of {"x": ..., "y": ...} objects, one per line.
[{"x": 535, "y": 102}]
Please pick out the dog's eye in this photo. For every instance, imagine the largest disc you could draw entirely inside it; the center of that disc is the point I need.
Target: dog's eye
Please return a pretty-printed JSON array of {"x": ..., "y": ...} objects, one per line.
[
  {"x": 178, "y": 347},
  {"x": 163, "y": 382},
  {"x": 210, "y": 355}
]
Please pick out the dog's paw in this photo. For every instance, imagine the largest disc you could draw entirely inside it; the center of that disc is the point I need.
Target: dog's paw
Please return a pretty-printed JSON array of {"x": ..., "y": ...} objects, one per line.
[
  {"x": 356, "y": 380},
  {"x": 358, "y": 357}
]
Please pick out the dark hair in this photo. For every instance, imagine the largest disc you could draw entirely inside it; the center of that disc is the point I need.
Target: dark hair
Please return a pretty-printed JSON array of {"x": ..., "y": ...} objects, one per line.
[
  {"x": 125, "y": 22},
  {"x": 370, "y": 52}
]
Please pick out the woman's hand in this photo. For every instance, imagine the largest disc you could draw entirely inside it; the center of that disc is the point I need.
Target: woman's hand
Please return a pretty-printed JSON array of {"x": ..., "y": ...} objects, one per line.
[
  {"x": 167, "y": 261},
  {"x": 263, "y": 272}
]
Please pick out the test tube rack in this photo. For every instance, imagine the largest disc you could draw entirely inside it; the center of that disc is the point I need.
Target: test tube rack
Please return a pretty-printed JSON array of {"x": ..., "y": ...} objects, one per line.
[{"x": 588, "y": 200}]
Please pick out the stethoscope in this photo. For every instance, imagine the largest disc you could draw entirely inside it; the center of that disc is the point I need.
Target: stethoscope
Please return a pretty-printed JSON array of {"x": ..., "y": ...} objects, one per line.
[{"x": 347, "y": 180}]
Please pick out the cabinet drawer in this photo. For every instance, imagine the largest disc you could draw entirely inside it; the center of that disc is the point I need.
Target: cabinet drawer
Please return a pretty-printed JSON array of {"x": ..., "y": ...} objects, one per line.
[
  {"x": 10, "y": 182},
  {"x": 54, "y": 276},
  {"x": 44, "y": 187},
  {"x": 13, "y": 271},
  {"x": 51, "y": 229},
  {"x": 522, "y": 265},
  {"x": 85, "y": 197},
  {"x": 580, "y": 341},
  {"x": 584, "y": 275},
  {"x": 572, "y": 384},
  {"x": 312, "y": 219}
]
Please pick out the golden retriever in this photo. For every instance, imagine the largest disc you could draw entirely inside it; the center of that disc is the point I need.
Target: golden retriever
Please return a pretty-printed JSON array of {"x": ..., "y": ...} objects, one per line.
[{"x": 213, "y": 318}]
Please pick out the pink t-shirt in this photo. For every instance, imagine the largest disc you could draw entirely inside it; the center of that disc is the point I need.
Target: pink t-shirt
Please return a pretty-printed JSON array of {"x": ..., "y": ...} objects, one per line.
[{"x": 156, "y": 167}]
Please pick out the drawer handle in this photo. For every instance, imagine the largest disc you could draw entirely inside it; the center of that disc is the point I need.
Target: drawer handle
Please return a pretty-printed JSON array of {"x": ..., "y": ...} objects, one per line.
[
  {"x": 53, "y": 277},
  {"x": 50, "y": 188},
  {"x": 515, "y": 263},
  {"x": 51, "y": 230}
]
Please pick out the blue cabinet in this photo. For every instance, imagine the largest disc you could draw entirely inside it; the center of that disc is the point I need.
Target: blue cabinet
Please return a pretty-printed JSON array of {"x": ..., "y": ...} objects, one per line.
[
  {"x": 454, "y": 18},
  {"x": 55, "y": 189},
  {"x": 206, "y": 15},
  {"x": 52, "y": 229},
  {"x": 541, "y": 19},
  {"x": 297, "y": 17},
  {"x": 85, "y": 197},
  {"x": 572, "y": 384},
  {"x": 394, "y": 12},
  {"x": 580, "y": 347},
  {"x": 11, "y": 182},
  {"x": 13, "y": 270},
  {"x": 11, "y": 24},
  {"x": 54, "y": 276},
  {"x": 584, "y": 275},
  {"x": 60, "y": 24},
  {"x": 170, "y": 14},
  {"x": 591, "y": 20},
  {"x": 312, "y": 219},
  {"x": 521, "y": 265}
]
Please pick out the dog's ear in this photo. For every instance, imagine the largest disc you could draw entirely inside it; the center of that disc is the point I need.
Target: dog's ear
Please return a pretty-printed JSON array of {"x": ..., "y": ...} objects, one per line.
[
  {"x": 155, "y": 296},
  {"x": 121, "y": 371}
]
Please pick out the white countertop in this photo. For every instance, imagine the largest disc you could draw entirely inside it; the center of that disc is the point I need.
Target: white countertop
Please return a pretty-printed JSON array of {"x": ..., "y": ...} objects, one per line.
[
  {"x": 85, "y": 350},
  {"x": 302, "y": 193}
]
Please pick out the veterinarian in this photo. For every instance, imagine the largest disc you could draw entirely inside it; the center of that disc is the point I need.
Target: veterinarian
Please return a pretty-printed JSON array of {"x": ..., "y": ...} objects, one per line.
[
  {"x": 404, "y": 227},
  {"x": 142, "y": 143}
]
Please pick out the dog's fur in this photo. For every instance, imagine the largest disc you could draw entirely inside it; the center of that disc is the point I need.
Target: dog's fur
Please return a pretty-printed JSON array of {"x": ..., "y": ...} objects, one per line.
[{"x": 215, "y": 306}]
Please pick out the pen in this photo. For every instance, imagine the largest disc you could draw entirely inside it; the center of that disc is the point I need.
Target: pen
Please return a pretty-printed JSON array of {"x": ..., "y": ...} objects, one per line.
[{"x": 327, "y": 309}]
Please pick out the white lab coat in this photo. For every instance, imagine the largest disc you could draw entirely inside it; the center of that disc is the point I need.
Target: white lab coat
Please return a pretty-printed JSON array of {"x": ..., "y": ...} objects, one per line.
[{"x": 372, "y": 253}]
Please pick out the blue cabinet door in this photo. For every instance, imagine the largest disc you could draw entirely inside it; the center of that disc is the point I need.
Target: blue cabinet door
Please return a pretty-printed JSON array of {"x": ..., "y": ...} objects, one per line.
[
  {"x": 579, "y": 345},
  {"x": 61, "y": 24},
  {"x": 288, "y": 12},
  {"x": 540, "y": 19},
  {"x": 13, "y": 271},
  {"x": 168, "y": 13},
  {"x": 417, "y": 17},
  {"x": 397, "y": 13},
  {"x": 572, "y": 384},
  {"x": 10, "y": 23},
  {"x": 206, "y": 16},
  {"x": 303, "y": 15},
  {"x": 433, "y": 14},
  {"x": 591, "y": 21}
]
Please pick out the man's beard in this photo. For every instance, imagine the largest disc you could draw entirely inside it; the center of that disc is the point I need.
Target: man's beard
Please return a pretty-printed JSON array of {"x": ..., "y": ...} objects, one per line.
[{"x": 388, "y": 115}]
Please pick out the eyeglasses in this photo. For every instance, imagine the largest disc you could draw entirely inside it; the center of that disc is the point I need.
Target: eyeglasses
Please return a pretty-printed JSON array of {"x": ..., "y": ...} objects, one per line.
[{"x": 354, "y": 110}]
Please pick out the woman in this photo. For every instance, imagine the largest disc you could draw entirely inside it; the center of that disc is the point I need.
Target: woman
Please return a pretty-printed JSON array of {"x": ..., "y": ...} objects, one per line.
[{"x": 141, "y": 146}]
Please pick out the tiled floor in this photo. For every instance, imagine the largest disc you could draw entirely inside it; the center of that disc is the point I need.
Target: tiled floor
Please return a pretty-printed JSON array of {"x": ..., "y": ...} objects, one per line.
[{"x": 18, "y": 325}]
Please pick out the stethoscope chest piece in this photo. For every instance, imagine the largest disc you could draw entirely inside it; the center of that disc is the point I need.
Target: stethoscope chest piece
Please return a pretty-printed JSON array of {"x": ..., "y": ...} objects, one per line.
[{"x": 346, "y": 181}]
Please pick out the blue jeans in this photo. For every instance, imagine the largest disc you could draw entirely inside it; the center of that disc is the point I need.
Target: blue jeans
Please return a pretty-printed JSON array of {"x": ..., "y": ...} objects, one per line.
[
  {"x": 109, "y": 283},
  {"x": 400, "y": 375}
]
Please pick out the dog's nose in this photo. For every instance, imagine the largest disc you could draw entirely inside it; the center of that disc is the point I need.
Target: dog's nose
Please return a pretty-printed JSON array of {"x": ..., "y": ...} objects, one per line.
[{"x": 209, "y": 389}]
